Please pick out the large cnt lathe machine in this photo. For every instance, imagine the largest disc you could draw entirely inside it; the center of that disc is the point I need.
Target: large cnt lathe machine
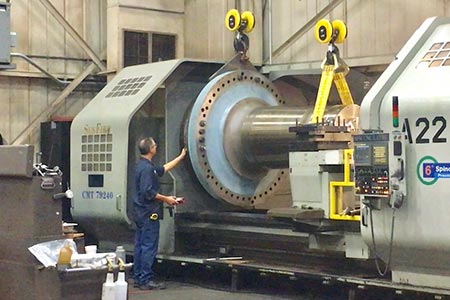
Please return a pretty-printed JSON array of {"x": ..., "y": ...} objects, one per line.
[{"x": 263, "y": 179}]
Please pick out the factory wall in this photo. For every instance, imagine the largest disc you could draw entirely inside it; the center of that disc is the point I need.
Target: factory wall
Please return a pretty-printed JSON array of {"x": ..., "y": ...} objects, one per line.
[
  {"x": 162, "y": 17},
  {"x": 206, "y": 35},
  {"x": 376, "y": 28},
  {"x": 24, "y": 91}
]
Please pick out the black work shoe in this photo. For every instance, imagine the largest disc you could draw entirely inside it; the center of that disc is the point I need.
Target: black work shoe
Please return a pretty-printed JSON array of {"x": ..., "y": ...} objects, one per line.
[{"x": 151, "y": 285}]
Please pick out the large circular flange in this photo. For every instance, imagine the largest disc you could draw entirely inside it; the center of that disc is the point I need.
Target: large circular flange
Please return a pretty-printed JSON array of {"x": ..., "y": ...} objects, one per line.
[{"x": 206, "y": 138}]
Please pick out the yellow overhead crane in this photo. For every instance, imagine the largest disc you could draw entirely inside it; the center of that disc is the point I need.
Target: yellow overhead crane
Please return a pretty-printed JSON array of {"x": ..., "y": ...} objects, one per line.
[
  {"x": 333, "y": 67},
  {"x": 241, "y": 23}
]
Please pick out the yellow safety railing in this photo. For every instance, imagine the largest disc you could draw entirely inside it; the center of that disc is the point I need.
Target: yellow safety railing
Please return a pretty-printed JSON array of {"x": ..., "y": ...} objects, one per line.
[{"x": 337, "y": 191}]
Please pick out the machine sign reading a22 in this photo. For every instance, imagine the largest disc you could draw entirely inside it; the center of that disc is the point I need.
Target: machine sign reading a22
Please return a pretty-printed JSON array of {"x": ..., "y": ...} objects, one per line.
[{"x": 424, "y": 123}]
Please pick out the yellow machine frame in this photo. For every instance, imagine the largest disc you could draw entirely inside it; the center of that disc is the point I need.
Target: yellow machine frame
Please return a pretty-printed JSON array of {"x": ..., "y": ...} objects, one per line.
[{"x": 337, "y": 191}]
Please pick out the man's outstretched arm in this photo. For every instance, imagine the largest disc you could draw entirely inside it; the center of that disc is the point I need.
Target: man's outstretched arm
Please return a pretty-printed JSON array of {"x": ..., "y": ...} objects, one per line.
[{"x": 173, "y": 163}]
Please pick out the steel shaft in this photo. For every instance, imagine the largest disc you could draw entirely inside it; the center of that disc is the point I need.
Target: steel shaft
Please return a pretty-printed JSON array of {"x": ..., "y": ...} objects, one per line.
[{"x": 262, "y": 139}]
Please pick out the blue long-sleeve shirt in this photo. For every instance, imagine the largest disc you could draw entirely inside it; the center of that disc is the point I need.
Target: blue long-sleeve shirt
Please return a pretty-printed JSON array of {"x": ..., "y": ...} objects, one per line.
[{"x": 147, "y": 186}]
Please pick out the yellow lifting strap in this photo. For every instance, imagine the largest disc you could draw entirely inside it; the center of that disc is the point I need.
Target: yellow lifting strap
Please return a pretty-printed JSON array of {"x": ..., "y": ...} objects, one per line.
[
  {"x": 324, "y": 91},
  {"x": 343, "y": 89},
  {"x": 329, "y": 75}
]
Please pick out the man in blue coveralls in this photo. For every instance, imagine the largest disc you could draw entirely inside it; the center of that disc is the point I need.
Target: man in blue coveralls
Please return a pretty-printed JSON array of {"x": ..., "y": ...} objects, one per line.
[{"x": 148, "y": 209}]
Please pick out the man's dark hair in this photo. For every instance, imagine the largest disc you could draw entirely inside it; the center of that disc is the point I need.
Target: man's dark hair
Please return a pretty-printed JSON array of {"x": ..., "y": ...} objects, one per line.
[{"x": 145, "y": 145}]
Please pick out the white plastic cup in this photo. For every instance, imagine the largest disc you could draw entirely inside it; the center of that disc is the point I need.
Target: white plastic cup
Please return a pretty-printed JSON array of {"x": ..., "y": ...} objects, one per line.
[
  {"x": 120, "y": 253},
  {"x": 91, "y": 249}
]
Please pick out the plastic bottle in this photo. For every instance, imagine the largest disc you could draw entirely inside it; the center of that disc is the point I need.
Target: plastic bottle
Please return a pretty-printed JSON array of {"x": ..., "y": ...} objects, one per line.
[
  {"x": 108, "y": 289},
  {"x": 65, "y": 255},
  {"x": 121, "y": 284},
  {"x": 120, "y": 254}
]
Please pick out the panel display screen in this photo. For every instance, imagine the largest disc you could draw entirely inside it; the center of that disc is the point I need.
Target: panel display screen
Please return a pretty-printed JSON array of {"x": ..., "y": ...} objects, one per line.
[
  {"x": 371, "y": 158},
  {"x": 95, "y": 180},
  {"x": 380, "y": 155},
  {"x": 363, "y": 155}
]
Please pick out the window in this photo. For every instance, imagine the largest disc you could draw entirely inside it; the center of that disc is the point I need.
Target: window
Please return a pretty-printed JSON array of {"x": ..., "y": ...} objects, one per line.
[
  {"x": 135, "y": 48},
  {"x": 143, "y": 47},
  {"x": 163, "y": 47}
]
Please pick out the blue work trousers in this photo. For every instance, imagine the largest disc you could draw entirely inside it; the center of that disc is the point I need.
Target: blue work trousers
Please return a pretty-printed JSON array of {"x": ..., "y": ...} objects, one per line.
[{"x": 145, "y": 249}]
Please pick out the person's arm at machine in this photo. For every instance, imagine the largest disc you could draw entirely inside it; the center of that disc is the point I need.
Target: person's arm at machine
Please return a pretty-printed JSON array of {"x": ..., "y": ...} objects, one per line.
[
  {"x": 170, "y": 200},
  {"x": 173, "y": 163}
]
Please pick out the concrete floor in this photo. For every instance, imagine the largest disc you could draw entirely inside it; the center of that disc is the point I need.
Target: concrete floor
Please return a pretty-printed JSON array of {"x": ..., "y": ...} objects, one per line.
[
  {"x": 184, "y": 291},
  {"x": 197, "y": 282}
]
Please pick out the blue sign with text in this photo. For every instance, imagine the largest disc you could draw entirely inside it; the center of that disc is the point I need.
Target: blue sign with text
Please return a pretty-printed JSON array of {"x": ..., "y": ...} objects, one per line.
[{"x": 436, "y": 170}]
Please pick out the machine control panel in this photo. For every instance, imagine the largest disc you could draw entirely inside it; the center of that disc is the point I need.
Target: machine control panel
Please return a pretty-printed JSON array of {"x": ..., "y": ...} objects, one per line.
[{"x": 371, "y": 161}]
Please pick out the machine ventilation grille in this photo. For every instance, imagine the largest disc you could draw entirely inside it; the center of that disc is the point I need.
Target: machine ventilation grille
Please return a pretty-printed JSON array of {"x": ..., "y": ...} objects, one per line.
[
  {"x": 437, "y": 56},
  {"x": 96, "y": 152},
  {"x": 128, "y": 87}
]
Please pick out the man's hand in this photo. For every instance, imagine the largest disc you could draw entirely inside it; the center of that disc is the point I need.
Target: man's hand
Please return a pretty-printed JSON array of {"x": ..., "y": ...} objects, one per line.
[
  {"x": 172, "y": 164},
  {"x": 171, "y": 200},
  {"x": 183, "y": 153}
]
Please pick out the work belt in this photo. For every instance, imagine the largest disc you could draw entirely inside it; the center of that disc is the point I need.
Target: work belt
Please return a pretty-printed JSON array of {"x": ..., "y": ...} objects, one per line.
[{"x": 153, "y": 217}]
